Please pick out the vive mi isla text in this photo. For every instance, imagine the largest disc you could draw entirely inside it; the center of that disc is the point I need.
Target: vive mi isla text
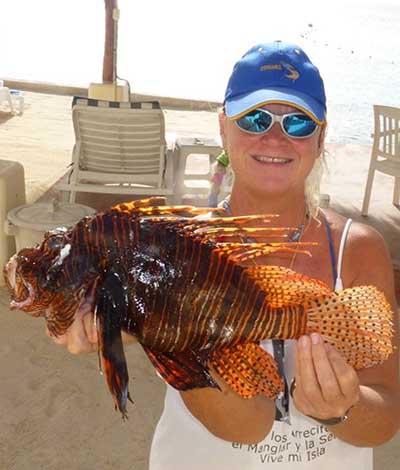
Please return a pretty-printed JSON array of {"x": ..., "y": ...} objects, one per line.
[{"x": 307, "y": 445}]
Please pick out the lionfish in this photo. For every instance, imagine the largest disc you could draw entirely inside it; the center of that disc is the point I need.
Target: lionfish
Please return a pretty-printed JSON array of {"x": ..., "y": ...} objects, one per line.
[{"x": 193, "y": 296}]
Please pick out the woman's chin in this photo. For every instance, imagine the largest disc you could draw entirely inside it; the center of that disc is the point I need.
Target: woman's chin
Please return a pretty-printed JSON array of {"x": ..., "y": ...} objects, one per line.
[{"x": 268, "y": 187}]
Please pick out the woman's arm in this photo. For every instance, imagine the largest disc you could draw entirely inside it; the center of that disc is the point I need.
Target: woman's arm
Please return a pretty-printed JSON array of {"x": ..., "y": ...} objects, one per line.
[
  {"x": 224, "y": 413},
  {"x": 326, "y": 386},
  {"x": 228, "y": 416}
]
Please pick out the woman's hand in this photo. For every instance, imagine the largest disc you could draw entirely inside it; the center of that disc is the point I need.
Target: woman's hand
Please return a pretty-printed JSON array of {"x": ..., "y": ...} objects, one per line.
[
  {"x": 81, "y": 336},
  {"x": 326, "y": 386}
]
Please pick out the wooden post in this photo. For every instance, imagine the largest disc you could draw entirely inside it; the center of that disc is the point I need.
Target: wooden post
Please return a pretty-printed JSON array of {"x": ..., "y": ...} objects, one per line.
[{"x": 108, "y": 62}]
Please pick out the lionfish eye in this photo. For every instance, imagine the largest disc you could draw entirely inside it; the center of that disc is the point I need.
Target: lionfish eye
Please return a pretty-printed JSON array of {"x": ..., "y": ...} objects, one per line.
[{"x": 54, "y": 242}]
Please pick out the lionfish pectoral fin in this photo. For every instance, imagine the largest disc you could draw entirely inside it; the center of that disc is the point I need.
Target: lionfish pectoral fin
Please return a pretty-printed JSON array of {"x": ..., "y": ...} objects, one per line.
[
  {"x": 88, "y": 299},
  {"x": 110, "y": 309},
  {"x": 357, "y": 321},
  {"x": 248, "y": 370},
  {"x": 182, "y": 370}
]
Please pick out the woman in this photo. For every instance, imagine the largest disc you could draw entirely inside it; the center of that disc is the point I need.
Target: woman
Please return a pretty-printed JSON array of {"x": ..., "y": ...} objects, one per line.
[{"x": 273, "y": 129}]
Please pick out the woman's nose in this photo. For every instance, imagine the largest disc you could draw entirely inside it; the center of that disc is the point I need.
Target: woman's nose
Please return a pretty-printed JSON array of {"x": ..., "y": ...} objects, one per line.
[{"x": 275, "y": 133}]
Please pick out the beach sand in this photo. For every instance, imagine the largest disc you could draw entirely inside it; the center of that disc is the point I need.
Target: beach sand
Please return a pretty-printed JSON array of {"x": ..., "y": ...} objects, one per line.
[{"x": 56, "y": 410}]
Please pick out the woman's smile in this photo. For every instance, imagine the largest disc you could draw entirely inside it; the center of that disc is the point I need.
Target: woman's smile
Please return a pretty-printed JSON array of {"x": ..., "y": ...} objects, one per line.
[
  {"x": 269, "y": 162},
  {"x": 269, "y": 159}
]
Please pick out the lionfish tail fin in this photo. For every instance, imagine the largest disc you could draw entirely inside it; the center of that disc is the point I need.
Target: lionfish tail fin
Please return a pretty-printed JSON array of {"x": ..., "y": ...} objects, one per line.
[
  {"x": 248, "y": 370},
  {"x": 357, "y": 322},
  {"x": 183, "y": 370}
]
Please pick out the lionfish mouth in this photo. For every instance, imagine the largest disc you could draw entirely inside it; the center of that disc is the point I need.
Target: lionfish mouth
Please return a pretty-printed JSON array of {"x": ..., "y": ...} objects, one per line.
[
  {"x": 25, "y": 298},
  {"x": 22, "y": 292}
]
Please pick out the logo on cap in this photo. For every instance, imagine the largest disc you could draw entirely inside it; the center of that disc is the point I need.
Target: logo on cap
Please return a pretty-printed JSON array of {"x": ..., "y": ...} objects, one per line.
[{"x": 291, "y": 72}]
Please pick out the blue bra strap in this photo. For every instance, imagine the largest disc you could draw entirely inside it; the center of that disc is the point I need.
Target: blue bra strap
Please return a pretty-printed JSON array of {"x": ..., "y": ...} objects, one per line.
[{"x": 331, "y": 248}]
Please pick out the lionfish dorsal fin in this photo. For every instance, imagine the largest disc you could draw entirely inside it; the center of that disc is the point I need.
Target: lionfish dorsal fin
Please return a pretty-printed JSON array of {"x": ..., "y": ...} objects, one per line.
[
  {"x": 209, "y": 225},
  {"x": 155, "y": 206},
  {"x": 240, "y": 229},
  {"x": 139, "y": 204},
  {"x": 250, "y": 252}
]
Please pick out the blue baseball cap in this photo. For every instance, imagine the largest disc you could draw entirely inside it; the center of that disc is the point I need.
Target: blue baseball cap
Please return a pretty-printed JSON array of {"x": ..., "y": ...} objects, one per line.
[{"x": 275, "y": 72}]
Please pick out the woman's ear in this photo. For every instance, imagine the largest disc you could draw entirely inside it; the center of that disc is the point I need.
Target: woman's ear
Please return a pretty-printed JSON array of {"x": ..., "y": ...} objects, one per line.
[
  {"x": 222, "y": 127},
  {"x": 321, "y": 137}
]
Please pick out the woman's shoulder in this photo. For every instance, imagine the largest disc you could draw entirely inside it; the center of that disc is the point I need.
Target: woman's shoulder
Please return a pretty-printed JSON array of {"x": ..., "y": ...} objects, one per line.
[
  {"x": 366, "y": 256},
  {"x": 359, "y": 234}
]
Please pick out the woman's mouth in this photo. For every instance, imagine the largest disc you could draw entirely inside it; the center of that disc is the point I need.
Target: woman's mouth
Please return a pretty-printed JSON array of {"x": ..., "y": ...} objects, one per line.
[{"x": 274, "y": 160}]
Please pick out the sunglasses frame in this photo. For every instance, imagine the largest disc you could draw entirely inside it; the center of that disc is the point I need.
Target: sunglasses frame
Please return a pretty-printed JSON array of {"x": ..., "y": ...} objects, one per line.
[{"x": 277, "y": 118}]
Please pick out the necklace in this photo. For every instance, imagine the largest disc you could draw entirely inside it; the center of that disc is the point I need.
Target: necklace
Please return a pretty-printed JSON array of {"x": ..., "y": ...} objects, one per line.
[{"x": 296, "y": 236}]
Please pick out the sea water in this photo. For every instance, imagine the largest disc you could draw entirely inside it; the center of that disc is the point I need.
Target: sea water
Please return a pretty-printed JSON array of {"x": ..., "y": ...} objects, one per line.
[{"x": 187, "y": 48}]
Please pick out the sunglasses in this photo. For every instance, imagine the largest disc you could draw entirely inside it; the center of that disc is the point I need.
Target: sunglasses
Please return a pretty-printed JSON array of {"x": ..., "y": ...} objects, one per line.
[{"x": 294, "y": 125}]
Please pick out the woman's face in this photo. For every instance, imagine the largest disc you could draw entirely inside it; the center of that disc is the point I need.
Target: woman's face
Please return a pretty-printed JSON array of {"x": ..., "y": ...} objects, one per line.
[{"x": 251, "y": 156}]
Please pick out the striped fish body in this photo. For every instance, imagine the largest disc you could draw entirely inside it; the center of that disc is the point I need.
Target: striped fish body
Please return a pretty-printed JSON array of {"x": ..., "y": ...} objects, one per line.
[
  {"x": 181, "y": 292},
  {"x": 191, "y": 294},
  {"x": 192, "y": 297}
]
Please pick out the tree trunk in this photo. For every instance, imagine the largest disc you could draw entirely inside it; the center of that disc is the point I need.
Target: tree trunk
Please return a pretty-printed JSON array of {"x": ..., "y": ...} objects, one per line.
[{"x": 108, "y": 62}]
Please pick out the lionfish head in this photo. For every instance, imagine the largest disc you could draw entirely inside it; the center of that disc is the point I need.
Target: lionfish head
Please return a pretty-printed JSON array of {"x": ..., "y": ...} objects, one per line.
[{"x": 27, "y": 273}]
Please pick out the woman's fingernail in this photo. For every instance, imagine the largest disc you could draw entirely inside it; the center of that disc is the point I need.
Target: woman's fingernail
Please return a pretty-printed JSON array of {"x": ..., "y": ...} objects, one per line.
[
  {"x": 303, "y": 342},
  {"x": 315, "y": 338}
]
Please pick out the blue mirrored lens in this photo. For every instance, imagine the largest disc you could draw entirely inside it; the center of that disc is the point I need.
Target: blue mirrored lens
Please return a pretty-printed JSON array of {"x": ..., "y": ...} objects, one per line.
[
  {"x": 256, "y": 121},
  {"x": 299, "y": 125}
]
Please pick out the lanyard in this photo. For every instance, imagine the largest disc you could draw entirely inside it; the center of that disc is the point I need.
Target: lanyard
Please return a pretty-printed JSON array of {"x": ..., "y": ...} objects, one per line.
[{"x": 278, "y": 345}]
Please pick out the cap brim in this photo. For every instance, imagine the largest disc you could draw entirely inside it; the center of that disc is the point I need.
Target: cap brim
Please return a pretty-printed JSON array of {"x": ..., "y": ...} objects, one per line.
[{"x": 237, "y": 106}]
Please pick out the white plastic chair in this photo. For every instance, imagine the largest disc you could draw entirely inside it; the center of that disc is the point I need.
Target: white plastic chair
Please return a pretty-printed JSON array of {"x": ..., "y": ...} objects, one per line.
[
  {"x": 385, "y": 156},
  {"x": 13, "y": 98},
  {"x": 5, "y": 96},
  {"x": 120, "y": 149},
  {"x": 199, "y": 182}
]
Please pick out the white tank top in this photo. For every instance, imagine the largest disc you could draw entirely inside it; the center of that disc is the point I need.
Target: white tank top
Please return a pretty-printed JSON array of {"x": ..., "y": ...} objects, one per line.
[{"x": 181, "y": 442}]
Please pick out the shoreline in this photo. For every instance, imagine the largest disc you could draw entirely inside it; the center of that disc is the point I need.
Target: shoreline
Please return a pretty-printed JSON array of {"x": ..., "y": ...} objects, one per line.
[
  {"x": 177, "y": 104},
  {"x": 167, "y": 102}
]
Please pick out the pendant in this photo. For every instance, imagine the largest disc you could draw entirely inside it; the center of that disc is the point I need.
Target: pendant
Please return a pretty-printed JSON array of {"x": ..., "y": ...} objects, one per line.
[{"x": 297, "y": 234}]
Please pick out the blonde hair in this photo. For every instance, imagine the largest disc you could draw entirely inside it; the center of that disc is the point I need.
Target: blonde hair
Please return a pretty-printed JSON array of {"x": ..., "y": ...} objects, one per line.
[{"x": 312, "y": 190}]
